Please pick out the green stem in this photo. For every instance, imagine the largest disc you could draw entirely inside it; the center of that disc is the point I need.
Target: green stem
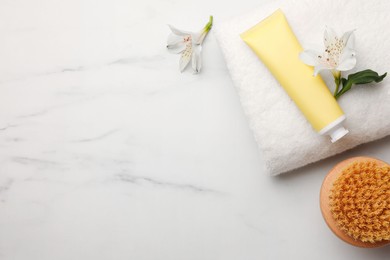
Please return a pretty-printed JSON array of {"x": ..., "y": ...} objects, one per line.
[
  {"x": 206, "y": 30},
  {"x": 345, "y": 88},
  {"x": 208, "y": 26},
  {"x": 337, "y": 81}
]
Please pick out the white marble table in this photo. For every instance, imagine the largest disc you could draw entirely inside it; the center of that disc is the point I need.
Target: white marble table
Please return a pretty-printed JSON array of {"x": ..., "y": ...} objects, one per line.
[{"x": 108, "y": 152}]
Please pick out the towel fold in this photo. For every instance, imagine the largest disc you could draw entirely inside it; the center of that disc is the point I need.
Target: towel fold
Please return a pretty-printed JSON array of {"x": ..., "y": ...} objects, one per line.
[{"x": 285, "y": 138}]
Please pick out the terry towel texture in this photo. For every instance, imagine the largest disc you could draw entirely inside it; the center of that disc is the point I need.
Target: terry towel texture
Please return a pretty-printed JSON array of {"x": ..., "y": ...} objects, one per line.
[{"x": 286, "y": 140}]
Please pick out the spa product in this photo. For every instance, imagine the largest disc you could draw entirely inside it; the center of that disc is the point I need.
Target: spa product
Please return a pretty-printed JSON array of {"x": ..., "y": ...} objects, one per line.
[
  {"x": 276, "y": 45},
  {"x": 355, "y": 201}
]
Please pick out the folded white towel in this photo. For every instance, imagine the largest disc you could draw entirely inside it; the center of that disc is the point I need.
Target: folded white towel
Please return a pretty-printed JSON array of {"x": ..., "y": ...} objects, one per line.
[{"x": 285, "y": 138}]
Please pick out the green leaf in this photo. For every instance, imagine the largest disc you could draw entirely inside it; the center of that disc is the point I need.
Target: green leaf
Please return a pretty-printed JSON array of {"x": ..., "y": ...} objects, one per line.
[
  {"x": 361, "y": 77},
  {"x": 343, "y": 81}
]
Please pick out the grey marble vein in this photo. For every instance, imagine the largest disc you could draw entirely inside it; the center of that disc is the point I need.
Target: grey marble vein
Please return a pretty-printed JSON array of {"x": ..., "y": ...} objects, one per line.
[
  {"x": 190, "y": 187},
  {"x": 138, "y": 59},
  {"x": 72, "y": 69},
  {"x": 6, "y": 185},
  {"x": 31, "y": 160},
  {"x": 34, "y": 114},
  {"x": 7, "y": 127},
  {"x": 99, "y": 137},
  {"x": 60, "y": 106}
]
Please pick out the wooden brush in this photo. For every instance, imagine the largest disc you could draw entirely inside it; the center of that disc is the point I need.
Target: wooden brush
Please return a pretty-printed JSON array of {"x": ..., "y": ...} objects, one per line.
[{"x": 355, "y": 201}]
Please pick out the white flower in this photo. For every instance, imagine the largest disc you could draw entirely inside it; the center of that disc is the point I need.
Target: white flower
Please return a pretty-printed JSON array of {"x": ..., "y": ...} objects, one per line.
[
  {"x": 189, "y": 44},
  {"x": 339, "y": 54}
]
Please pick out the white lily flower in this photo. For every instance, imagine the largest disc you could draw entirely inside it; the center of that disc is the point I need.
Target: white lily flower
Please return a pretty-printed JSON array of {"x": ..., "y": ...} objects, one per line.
[
  {"x": 339, "y": 54},
  {"x": 189, "y": 44}
]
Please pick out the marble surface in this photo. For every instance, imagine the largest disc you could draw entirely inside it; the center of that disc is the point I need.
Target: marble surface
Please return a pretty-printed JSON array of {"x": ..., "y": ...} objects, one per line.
[{"x": 108, "y": 152}]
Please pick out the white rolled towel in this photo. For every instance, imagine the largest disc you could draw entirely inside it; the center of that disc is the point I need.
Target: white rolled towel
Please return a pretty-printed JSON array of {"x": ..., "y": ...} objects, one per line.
[{"x": 285, "y": 138}]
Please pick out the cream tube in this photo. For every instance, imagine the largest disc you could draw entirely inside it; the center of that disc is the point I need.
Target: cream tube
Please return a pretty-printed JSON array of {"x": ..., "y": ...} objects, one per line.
[{"x": 276, "y": 45}]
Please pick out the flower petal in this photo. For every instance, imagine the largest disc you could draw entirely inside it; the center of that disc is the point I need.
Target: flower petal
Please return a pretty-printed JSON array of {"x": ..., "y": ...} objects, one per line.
[
  {"x": 185, "y": 57},
  {"x": 197, "y": 58},
  {"x": 347, "y": 53},
  {"x": 347, "y": 64},
  {"x": 175, "y": 43},
  {"x": 176, "y": 48},
  {"x": 348, "y": 39},
  {"x": 347, "y": 60},
  {"x": 351, "y": 42},
  {"x": 330, "y": 37},
  {"x": 179, "y": 32},
  {"x": 320, "y": 67},
  {"x": 310, "y": 57},
  {"x": 173, "y": 39},
  {"x": 197, "y": 38}
]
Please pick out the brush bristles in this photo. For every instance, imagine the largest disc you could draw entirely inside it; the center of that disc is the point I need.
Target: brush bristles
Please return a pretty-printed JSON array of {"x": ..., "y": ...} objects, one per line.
[{"x": 360, "y": 201}]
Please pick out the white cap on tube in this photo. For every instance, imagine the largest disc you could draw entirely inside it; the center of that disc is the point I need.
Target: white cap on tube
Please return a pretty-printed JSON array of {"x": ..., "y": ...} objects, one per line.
[
  {"x": 335, "y": 129},
  {"x": 338, "y": 133}
]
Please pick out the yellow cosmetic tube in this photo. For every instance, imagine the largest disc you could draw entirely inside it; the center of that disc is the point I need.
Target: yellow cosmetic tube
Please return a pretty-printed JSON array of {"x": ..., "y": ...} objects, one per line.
[{"x": 276, "y": 45}]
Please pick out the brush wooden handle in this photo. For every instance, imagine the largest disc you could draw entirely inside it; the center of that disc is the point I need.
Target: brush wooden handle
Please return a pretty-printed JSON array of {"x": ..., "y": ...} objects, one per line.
[{"x": 324, "y": 202}]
